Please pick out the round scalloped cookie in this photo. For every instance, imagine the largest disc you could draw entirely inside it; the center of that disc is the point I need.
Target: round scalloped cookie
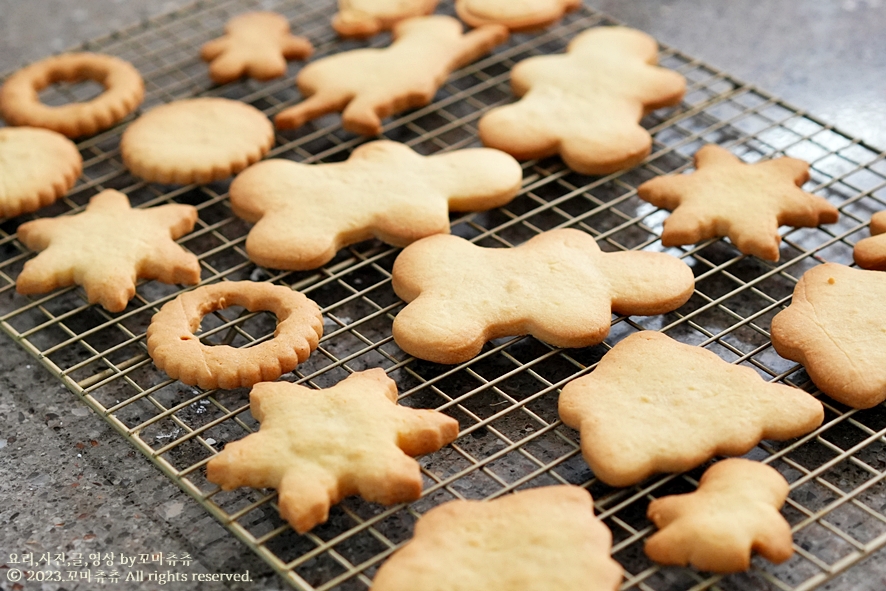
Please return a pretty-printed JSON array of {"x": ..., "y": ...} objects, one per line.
[
  {"x": 37, "y": 167},
  {"x": 196, "y": 141}
]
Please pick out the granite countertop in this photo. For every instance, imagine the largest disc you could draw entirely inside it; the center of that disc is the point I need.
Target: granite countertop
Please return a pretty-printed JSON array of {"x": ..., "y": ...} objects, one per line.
[{"x": 70, "y": 483}]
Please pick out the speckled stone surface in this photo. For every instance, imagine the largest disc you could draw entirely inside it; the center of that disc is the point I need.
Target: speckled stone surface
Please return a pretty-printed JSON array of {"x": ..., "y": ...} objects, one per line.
[{"x": 69, "y": 483}]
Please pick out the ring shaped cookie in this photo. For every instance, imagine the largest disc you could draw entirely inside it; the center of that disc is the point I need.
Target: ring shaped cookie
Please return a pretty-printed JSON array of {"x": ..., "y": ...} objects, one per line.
[
  {"x": 124, "y": 90},
  {"x": 175, "y": 348}
]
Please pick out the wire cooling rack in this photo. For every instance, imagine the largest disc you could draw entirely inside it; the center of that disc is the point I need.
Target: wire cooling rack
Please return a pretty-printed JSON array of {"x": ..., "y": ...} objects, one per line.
[{"x": 505, "y": 399}]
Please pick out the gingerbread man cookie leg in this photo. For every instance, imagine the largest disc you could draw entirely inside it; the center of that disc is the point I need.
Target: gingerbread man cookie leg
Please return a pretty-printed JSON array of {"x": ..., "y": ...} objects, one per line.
[
  {"x": 369, "y": 84},
  {"x": 870, "y": 253},
  {"x": 256, "y": 44}
]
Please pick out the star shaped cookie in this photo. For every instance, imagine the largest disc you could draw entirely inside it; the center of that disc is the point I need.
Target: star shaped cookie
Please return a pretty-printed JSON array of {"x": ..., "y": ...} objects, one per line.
[
  {"x": 541, "y": 538},
  {"x": 318, "y": 446},
  {"x": 256, "y": 44},
  {"x": 304, "y": 213},
  {"x": 656, "y": 405},
  {"x": 836, "y": 327},
  {"x": 370, "y": 84},
  {"x": 586, "y": 105},
  {"x": 734, "y": 511},
  {"x": 107, "y": 247},
  {"x": 870, "y": 253},
  {"x": 746, "y": 202},
  {"x": 558, "y": 287}
]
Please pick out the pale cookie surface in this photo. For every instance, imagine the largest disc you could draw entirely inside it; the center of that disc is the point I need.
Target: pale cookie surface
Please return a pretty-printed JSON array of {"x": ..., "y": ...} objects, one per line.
[
  {"x": 176, "y": 350},
  {"x": 367, "y": 85},
  {"x": 257, "y": 45},
  {"x": 107, "y": 247},
  {"x": 558, "y": 287},
  {"x": 304, "y": 213},
  {"x": 746, "y": 202},
  {"x": 656, "y": 405},
  {"x": 37, "y": 167},
  {"x": 364, "y": 18},
  {"x": 870, "y": 253},
  {"x": 124, "y": 90},
  {"x": 196, "y": 141},
  {"x": 516, "y": 15},
  {"x": 734, "y": 511},
  {"x": 586, "y": 104},
  {"x": 836, "y": 327},
  {"x": 541, "y": 538},
  {"x": 318, "y": 446}
]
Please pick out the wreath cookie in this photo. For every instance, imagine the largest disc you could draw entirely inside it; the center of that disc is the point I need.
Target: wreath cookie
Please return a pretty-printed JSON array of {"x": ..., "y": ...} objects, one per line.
[
  {"x": 124, "y": 91},
  {"x": 176, "y": 350}
]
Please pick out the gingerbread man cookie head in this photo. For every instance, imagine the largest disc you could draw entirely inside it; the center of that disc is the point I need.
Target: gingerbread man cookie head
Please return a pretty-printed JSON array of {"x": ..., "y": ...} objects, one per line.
[
  {"x": 364, "y": 18},
  {"x": 318, "y": 446},
  {"x": 586, "y": 104},
  {"x": 746, "y": 202},
  {"x": 558, "y": 287},
  {"x": 256, "y": 44},
  {"x": 734, "y": 511}
]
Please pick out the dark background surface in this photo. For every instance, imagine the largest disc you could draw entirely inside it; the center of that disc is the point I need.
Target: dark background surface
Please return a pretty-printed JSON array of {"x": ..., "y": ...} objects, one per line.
[{"x": 68, "y": 483}]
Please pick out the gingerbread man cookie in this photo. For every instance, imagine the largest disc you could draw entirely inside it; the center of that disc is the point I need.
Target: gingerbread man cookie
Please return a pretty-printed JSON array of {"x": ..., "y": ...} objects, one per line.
[
  {"x": 107, "y": 247},
  {"x": 304, "y": 213},
  {"x": 586, "y": 105},
  {"x": 656, "y": 405},
  {"x": 541, "y": 538},
  {"x": 836, "y": 328},
  {"x": 256, "y": 44},
  {"x": 558, "y": 287},
  {"x": 870, "y": 253},
  {"x": 318, "y": 446},
  {"x": 365, "y": 18},
  {"x": 37, "y": 167},
  {"x": 367, "y": 85},
  {"x": 746, "y": 202},
  {"x": 734, "y": 511},
  {"x": 524, "y": 15}
]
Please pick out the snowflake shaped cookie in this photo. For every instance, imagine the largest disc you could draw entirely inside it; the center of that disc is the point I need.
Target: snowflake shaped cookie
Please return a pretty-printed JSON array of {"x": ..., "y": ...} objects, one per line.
[
  {"x": 734, "y": 511},
  {"x": 656, "y": 405},
  {"x": 541, "y": 538},
  {"x": 369, "y": 84},
  {"x": 304, "y": 213},
  {"x": 256, "y": 44},
  {"x": 586, "y": 104},
  {"x": 558, "y": 287},
  {"x": 318, "y": 446},
  {"x": 107, "y": 247},
  {"x": 746, "y": 202}
]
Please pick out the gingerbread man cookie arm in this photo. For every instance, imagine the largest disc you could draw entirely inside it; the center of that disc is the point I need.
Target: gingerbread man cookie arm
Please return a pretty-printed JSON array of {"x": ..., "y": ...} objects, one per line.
[
  {"x": 477, "y": 43},
  {"x": 476, "y": 179},
  {"x": 647, "y": 283},
  {"x": 870, "y": 253}
]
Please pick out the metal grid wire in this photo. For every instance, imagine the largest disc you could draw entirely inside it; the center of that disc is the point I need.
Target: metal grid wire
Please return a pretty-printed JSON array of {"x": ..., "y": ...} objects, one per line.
[{"x": 505, "y": 399}]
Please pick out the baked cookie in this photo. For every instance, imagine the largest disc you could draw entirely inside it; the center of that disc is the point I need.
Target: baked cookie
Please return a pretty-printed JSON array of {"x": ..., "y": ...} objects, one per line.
[
  {"x": 656, "y": 405},
  {"x": 367, "y": 85},
  {"x": 526, "y": 15},
  {"x": 558, "y": 287},
  {"x": 318, "y": 446},
  {"x": 107, "y": 247},
  {"x": 257, "y": 45},
  {"x": 37, "y": 167},
  {"x": 835, "y": 327},
  {"x": 124, "y": 91},
  {"x": 541, "y": 538},
  {"x": 870, "y": 253},
  {"x": 176, "y": 350},
  {"x": 734, "y": 511},
  {"x": 746, "y": 202},
  {"x": 196, "y": 141},
  {"x": 365, "y": 18},
  {"x": 304, "y": 213},
  {"x": 586, "y": 105}
]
